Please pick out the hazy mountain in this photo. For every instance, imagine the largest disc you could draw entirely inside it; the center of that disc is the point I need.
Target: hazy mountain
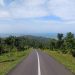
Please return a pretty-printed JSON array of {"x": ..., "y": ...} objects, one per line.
[{"x": 46, "y": 35}]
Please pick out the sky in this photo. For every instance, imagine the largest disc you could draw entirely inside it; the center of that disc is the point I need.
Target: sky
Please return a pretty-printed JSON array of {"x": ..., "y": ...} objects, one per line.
[{"x": 37, "y": 16}]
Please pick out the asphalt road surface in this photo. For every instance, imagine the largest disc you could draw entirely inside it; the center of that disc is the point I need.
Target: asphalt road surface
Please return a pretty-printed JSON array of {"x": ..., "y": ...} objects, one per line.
[{"x": 39, "y": 63}]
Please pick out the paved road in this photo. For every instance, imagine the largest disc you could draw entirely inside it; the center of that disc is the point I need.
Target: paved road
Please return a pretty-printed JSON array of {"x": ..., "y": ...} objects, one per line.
[{"x": 39, "y": 63}]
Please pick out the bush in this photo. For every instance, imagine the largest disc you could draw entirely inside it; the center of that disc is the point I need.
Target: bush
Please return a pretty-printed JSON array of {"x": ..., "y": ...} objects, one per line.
[
  {"x": 73, "y": 53},
  {"x": 64, "y": 51}
]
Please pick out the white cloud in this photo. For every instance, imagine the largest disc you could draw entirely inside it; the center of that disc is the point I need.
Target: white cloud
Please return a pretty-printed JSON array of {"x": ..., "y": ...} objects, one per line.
[
  {"x": 5, "y": 28},
  {"x": 34, "y": 2},
  {"x": 23, "y": 12},
  {"x": 4, "y": 14},
  {"x": 2, "y": 2},
  {"x": 38, "y": 8},
  {"x": 29, "y": 9},
  {"x": 62, "y": 8},
  {"x": 37, "y": 27}
]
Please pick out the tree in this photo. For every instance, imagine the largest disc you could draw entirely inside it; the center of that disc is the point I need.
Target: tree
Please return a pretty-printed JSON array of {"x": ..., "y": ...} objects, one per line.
[
  {"x": 52, "y": 44},
  {"x": 59, "y": 42},
  {"x": 59, "y": 36},
  {"x": 69, "y": 41},
  {"x": 2, "y": 46},
  {"x": 10, "y": 41}
]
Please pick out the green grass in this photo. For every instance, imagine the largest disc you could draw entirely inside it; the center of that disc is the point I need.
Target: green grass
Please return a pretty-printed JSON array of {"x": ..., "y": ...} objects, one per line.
[
  {"x": 9, "y": 60},
  {"x": 65, "y": 59}
]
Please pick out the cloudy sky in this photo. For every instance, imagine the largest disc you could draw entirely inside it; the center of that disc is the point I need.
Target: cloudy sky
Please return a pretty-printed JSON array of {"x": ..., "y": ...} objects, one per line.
[{"x": 37, "y": 16}]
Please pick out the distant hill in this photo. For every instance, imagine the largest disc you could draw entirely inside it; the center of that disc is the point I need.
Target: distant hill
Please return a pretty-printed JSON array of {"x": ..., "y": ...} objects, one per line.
[{"x": 46, "y": 35}]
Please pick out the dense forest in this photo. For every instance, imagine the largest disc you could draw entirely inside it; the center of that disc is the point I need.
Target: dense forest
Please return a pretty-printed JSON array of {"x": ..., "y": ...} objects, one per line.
[{"x": 65, "y": 44}]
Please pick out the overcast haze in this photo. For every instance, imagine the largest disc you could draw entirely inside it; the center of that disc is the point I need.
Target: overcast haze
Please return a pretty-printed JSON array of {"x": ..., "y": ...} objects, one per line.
[{"x": 37, "y": 16}]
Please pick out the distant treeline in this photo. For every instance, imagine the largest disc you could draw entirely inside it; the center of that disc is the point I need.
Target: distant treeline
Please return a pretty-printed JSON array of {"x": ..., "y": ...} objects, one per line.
[{"x": 64, "y": 44}]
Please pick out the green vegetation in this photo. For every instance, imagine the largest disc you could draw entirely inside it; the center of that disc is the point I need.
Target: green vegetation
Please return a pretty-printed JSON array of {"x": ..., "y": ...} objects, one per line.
[
  {"x": 66, "y": 59},
  {"x": 66, "y": 44},
  {"x": 9, "y": 60},
  {"x": 12, "y": 47}
]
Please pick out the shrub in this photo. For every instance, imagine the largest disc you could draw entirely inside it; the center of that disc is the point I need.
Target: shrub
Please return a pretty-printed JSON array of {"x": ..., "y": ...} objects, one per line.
[
  {"x": 73, "y": 53},
  {"x": 64, "y": 51}
]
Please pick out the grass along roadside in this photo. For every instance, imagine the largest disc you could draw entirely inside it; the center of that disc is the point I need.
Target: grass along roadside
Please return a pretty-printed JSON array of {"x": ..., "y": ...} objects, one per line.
[
  {"x": 8, "y": 61},
  {"x": 66, "y": 59}
]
